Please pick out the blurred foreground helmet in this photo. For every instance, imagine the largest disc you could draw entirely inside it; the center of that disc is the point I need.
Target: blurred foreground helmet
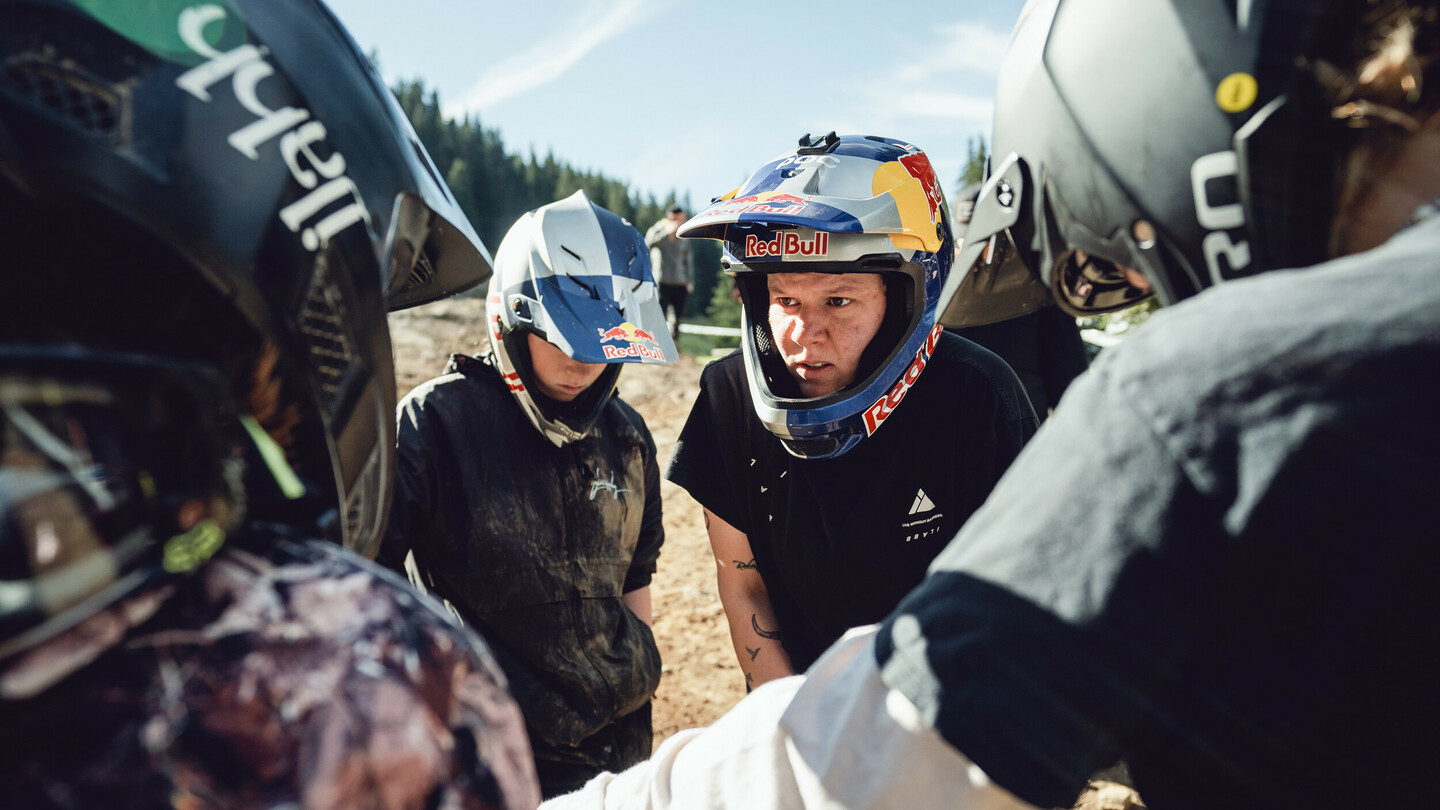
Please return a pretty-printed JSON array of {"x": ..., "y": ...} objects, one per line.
[
  {"x": 579, "y": 277},
  {"x": 847, "y": 204},
  {"x": 209, "y": 208},
  {"x": 1186, "y": 139}
]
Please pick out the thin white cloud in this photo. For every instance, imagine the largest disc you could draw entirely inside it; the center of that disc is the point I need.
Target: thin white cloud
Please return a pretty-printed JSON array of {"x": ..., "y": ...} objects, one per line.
[
  {"x": 934, "y": 104},
  {"x": 965, "y": 55},
  {"x": 549, "y": 59}
]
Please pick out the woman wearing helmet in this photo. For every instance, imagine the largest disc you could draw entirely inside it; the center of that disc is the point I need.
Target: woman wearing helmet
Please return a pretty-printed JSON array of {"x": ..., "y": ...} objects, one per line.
[
  {"x": 529, "y": 494},
  {"x": 195, "y": 399},
  {"x": 825, "y": 496}
]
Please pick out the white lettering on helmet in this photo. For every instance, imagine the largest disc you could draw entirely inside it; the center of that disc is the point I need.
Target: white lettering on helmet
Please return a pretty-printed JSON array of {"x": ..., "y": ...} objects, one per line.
[
  {"x": 1219, "y": 219},
  {"x": 246, "y": 67},
  {"x": 633, "y": 350},
  {"x": 876, "y": 414}
]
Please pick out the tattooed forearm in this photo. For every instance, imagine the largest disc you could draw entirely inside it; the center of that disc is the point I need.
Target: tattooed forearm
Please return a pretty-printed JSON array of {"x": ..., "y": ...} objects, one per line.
[
  {"x": 745, "y": 566},
  {"x": 753, "y": 652},
  {"x": 749, "y": 682},
  {"x": 755, "y": 624}
]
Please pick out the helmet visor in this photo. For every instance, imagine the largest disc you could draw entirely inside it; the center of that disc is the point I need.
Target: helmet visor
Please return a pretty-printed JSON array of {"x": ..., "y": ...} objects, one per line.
[
  {"x": 999, "y": 279},
  {"x": 997, "y": 285}
]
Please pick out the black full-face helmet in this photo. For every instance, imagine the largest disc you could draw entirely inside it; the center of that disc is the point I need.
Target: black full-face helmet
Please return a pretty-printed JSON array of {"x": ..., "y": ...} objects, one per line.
[
  {"x": 1184, "y": 139},
  {"x": 207, "y": 205}
]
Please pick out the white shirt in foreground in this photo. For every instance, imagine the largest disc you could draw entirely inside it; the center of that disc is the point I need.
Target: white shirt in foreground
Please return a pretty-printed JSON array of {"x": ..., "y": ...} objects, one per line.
[{"x": 836, "y": 737}]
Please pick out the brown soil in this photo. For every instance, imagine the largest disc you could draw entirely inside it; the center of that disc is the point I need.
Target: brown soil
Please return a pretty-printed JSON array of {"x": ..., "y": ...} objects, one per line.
[{"x": 700, "y": 678}]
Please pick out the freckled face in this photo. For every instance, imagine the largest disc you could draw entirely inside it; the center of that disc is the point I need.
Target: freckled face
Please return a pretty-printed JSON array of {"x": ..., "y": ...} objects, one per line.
[
  {"x": 822, "y": 323},
  {"x": 556, "y": 375}
]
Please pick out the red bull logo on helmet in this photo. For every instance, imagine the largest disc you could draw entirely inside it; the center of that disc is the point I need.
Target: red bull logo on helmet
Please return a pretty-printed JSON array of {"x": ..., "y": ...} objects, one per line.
[
  {"x": 876, "y": 414},
  {"x": 918, "y": 165},
  {"x": 641, "y": 342},
  {"x": 626, "y": 331},
  {"x": 633, "y": 350},
  {"x": 787, "y": 243},
  {"x": 767, "y": 202}
]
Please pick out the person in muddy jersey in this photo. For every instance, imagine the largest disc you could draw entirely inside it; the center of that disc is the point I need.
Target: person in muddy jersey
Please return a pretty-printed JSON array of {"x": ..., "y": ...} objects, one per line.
[
  {"x": 177, "y": 628},
  {"x": 529, "y": 494}
]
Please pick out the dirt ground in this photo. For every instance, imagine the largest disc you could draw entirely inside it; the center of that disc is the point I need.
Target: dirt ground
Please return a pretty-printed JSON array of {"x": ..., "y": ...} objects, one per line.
[{"x": 700, "y": 678}]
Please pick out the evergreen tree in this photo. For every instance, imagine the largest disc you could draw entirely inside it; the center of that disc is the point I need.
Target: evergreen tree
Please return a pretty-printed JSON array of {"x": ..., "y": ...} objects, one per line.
[
  {"x": 494, "y": 187},
  {"x": 974, "y": 169}
]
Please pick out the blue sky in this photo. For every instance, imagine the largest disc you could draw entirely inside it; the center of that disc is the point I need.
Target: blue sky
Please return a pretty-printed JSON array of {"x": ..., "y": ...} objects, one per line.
[{"x": 694, "y": 96}]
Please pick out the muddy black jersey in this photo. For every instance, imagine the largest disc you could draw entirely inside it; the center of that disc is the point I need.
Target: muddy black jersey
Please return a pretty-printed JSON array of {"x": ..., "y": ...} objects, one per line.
[{"x": 839, "y": 541}]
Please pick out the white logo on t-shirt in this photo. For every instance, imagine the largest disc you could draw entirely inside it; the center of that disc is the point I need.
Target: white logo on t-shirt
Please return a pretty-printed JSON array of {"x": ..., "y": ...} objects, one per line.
[
  {"x": 922, "y": 502},
  {"x": 926, "y": 520}
]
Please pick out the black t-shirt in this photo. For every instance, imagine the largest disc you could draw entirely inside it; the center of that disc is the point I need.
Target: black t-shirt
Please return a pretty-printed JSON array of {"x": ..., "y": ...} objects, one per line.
[
  {"x": 1218, "y": 560},
  {"x": 838, "y": 542}
]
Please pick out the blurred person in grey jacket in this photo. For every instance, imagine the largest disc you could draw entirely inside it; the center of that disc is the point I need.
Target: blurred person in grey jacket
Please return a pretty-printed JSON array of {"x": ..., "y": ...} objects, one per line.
[{"x": 674, "y": 263}]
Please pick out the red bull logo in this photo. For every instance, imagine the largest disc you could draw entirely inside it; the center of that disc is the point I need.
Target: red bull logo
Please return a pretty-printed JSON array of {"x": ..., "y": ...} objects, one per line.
[
  {"x": 767, "y": 202},
  {"x": 788, "y": 243},
  {"x": 876, "y": 414},
  {"x": 918, "y": 165},
  {"x": 641, "y": 342}
]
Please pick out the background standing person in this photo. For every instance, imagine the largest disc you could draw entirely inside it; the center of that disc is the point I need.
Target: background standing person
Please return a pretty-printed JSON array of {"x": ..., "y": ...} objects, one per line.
[
  {"x": 194, "y": 394},
  {"x": 1229, "y": 568},
  {"x": 674, "y": 265},
  {"x": 825, "y": 495},
  {"x": 529, "y": 494}
]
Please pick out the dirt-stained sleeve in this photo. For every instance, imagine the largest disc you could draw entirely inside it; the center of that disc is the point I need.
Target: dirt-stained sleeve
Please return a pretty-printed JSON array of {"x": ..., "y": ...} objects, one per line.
[
  {"x": 652, "y": 531},
  {"x": 414, "y": 510}
]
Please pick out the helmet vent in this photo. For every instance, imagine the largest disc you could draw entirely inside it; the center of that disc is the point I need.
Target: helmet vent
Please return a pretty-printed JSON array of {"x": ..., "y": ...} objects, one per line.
[
  {"x": 89, "y": 104},
  {"x": 420, "y": 274},
  {"x": 362, "y": 509},
  {"x": 322, "y": 321}
]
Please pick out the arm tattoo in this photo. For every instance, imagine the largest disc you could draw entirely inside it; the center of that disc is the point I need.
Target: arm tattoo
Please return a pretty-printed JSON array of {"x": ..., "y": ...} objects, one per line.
[
  {"x": 753, "y": 652},
  {"x": 745, "y": 566},
  {"x": 771, "y": 634},
  {"x": 707, "y": 519},
  {"x": 749, "y": 681}
]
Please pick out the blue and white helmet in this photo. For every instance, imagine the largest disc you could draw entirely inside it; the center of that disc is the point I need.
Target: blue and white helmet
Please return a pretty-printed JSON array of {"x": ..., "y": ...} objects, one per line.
[
  {"x": 846, "y": 204},
  {"x": 579, "y": 277}
]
